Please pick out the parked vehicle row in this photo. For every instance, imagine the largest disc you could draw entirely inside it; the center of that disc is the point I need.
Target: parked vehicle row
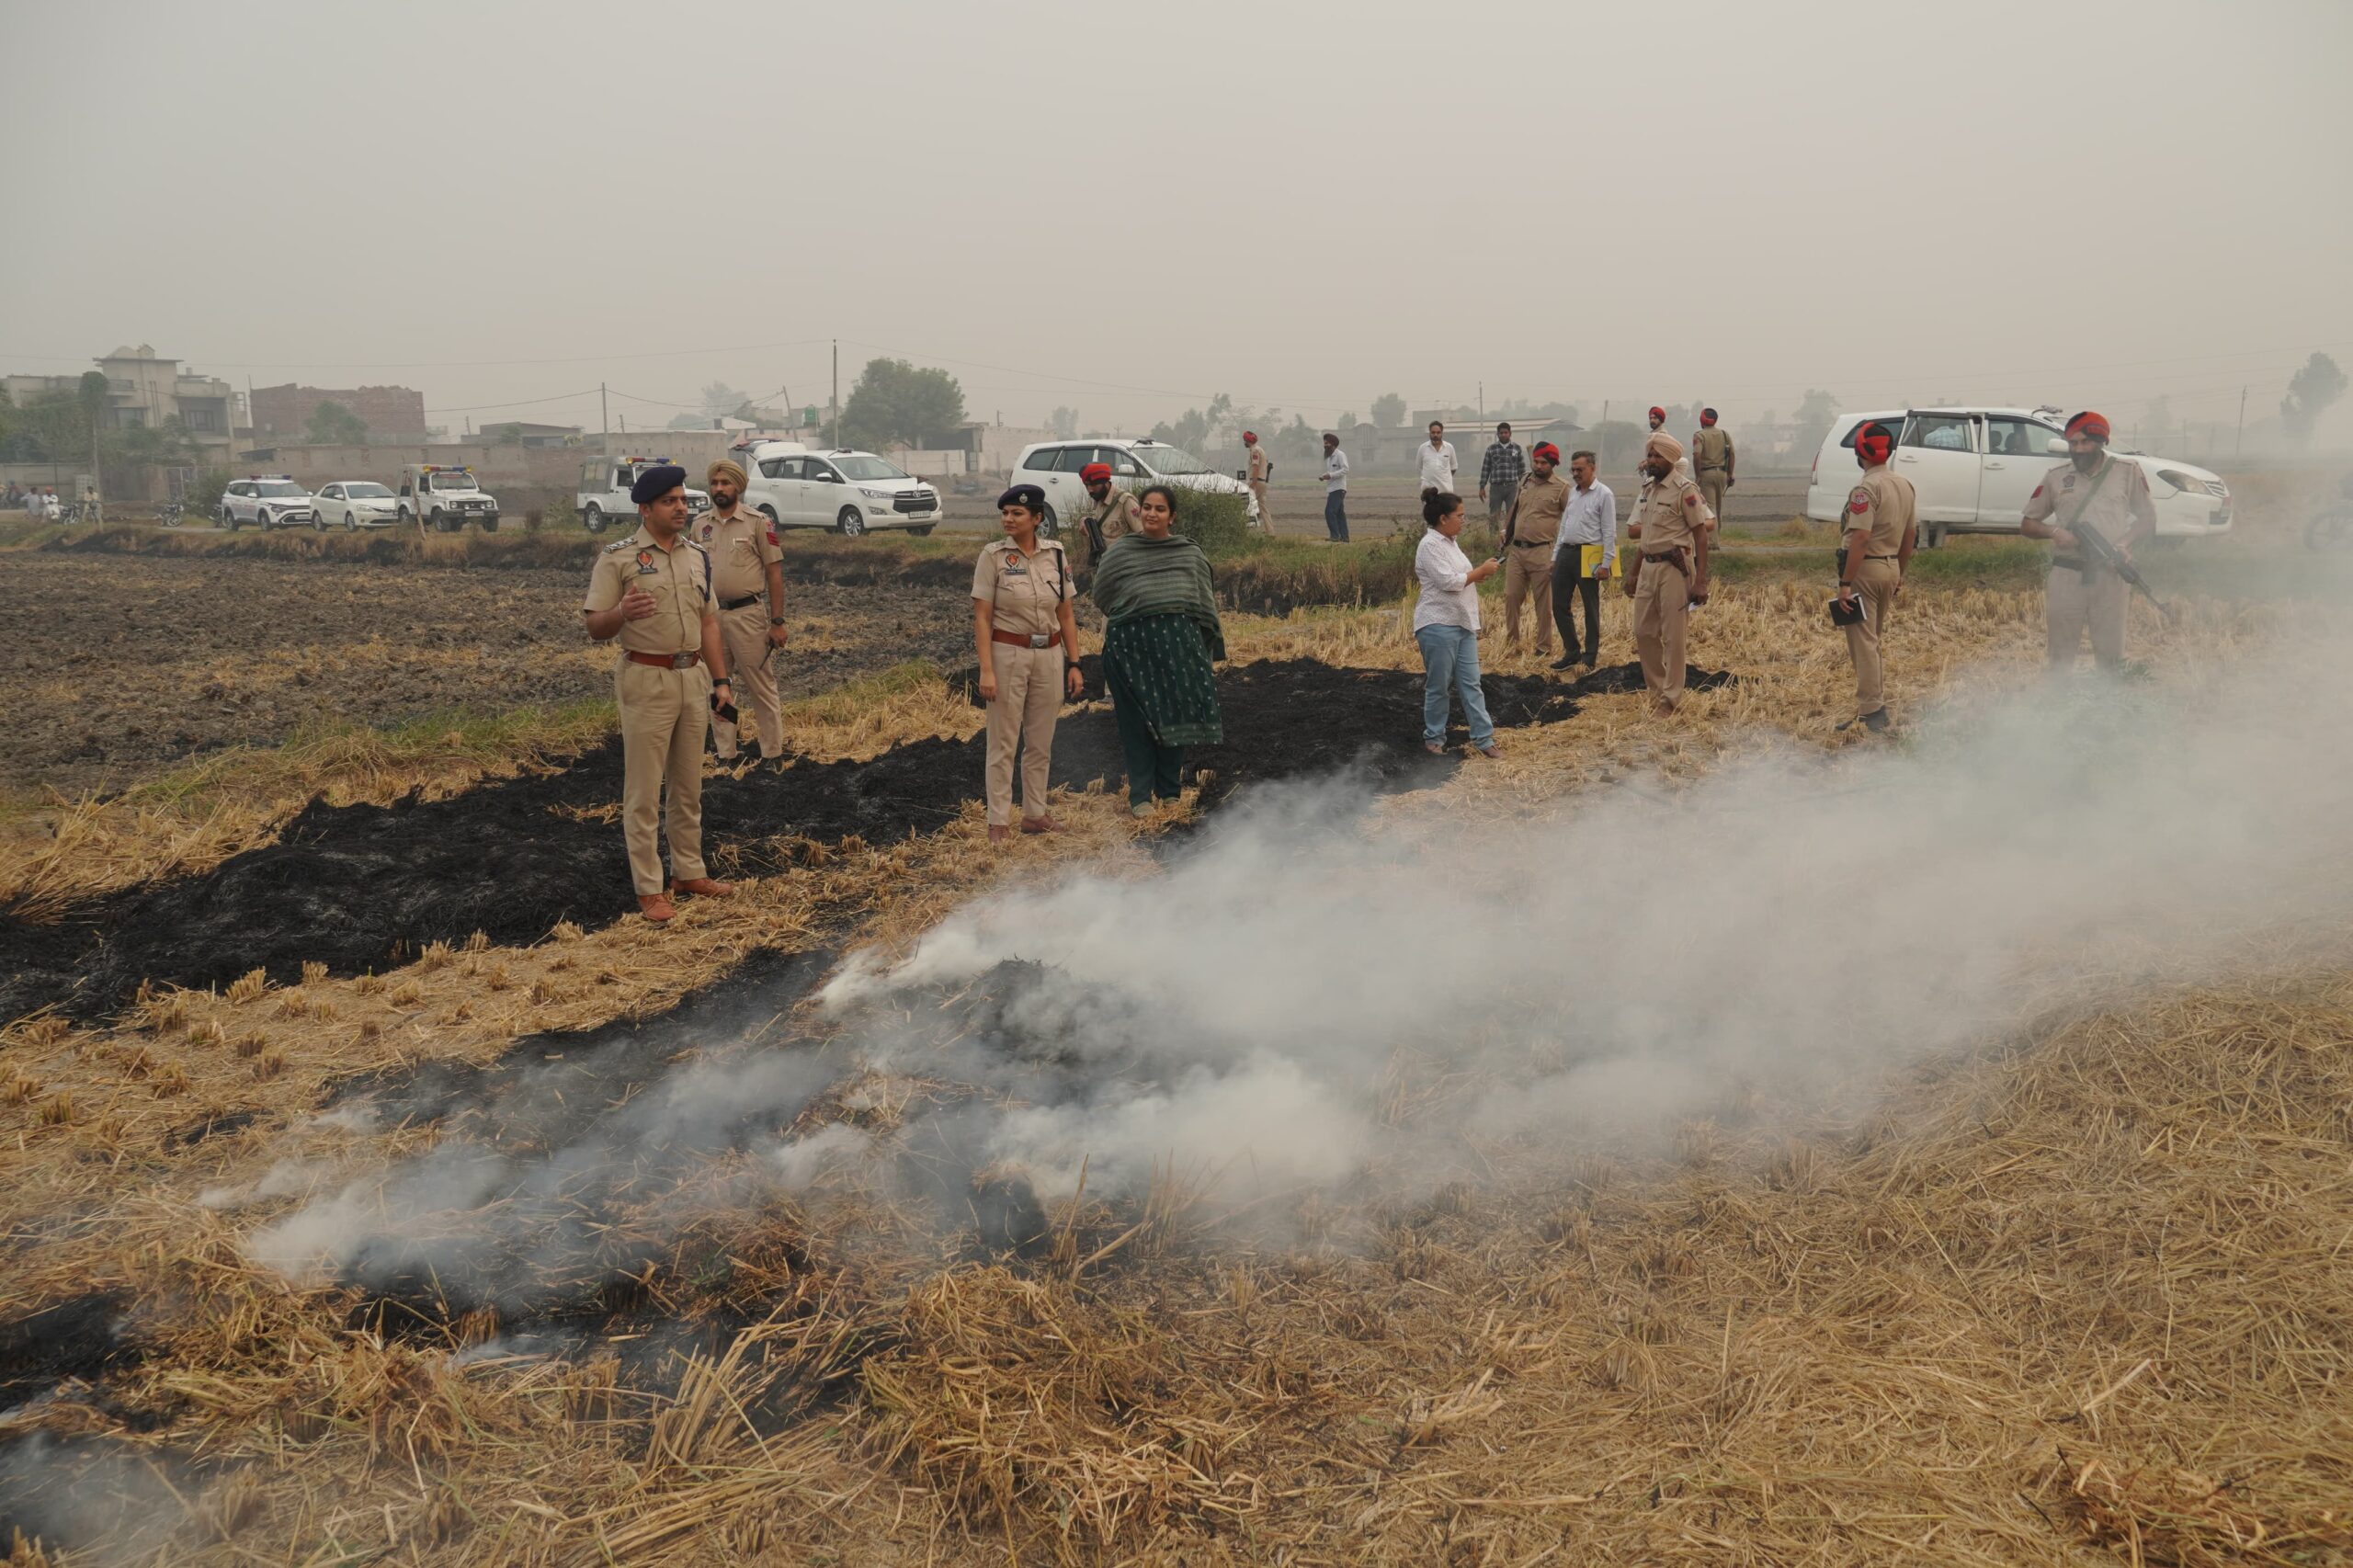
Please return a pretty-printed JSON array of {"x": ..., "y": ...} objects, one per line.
[
  {"x": 447, "y": 498},
  {"x": 1973, "y": 470}
]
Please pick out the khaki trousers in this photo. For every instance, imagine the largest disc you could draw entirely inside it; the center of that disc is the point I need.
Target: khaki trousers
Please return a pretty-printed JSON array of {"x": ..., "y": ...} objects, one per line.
[
  {"x": 745, "y": 633},
  {"x": 1711, "y": 490},
  {"x": 2073, "y": 599},
  {"x": 1527, "y": 575},
  {"x": 663, "y": 716},
  {"x": 1875, "y": 586},
  {"x": 1028, "y": 698},
  {"x": 1265, "y": 512},
  {"x": 1662, "y": 608}
]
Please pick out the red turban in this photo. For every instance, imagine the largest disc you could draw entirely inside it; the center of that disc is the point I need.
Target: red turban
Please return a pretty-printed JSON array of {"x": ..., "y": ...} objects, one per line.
[
  {"x": 2089, "y": 423},
  {"x": 1547, "y": 450},
  {"x": 1707, "y": 416},
  {"x": 1872, "y": 443},
  {"x": 1249, "y": 435},
  {"x": 1658, "y": 413},
  {"x": 1094, "y": 471}
]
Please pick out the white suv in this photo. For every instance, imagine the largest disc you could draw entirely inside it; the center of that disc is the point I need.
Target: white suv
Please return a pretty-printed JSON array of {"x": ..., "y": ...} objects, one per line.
[
  {"x": 604, "y": 493},
  {"x": 1053, "y": 467},
  {"x": 848, "y": 492},
  {"x": 1974, "y": 468},
  {"x": 268, "y": 500}
]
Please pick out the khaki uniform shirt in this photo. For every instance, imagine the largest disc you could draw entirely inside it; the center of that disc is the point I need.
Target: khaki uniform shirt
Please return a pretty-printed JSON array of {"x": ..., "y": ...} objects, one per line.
[
  {"x": 1710, "y": 448},
  {"x": 740, "y": 552},
  {"x": 1882, "y": 506},
  {"x": 1670, "y": 513},
  {"x": 1259, "y": 463},
  {"x": 1536, "y": 511},
  {"x": 1117, "y": 514},
  {"x": 2122, "y": 509},
  {"x": 679, "y": 580},
  {"x": 1026, "y": 590}
]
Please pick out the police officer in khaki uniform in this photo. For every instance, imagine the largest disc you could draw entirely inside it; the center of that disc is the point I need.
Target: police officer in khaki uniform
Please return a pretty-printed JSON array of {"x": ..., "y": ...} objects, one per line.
[
  {"x": 1262, "y": 468},
  {"x": 1533, "y": 526},
  {"x": 2100, "y": 492},
  {"x": 1712, "y": 458},
  {"x": 1112, "y": 514},
  {"x": 1879, "y": 530},
  {"x": 747, "y": 576},
  {"x": 1027, "y": 638},
  {"x": 1670, "y": 571},
  {"x": 653, "y": 590}
]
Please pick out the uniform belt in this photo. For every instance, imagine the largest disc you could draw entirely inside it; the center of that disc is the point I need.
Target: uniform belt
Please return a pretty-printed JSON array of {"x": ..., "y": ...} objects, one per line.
[
  {"x": 664, "y": 660},
  {"x": 1026, "y": 639},
  {"x": 739, "y": 604},
  {"x": 1672, "y": 556},
  {"x": 1532, "y": 543},
  {"x": 1714, "y": 468},
  {"x": 1880, "y": 558}
]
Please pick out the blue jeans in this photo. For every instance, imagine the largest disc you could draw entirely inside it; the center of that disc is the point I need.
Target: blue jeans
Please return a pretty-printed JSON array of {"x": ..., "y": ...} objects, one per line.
[
  {"x": 1336, "y": 514},
  {"x": 1450, "y": 659}
]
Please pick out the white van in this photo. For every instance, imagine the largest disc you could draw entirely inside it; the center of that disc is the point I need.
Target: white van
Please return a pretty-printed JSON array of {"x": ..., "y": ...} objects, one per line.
[
  {"x": 1053, "y": 467},
  {"x": 446, "y": 497},
  {"x": 604, "y": 493},
  {"x": 848, "y": 491},
  {"x": 1972, "y": 470}
]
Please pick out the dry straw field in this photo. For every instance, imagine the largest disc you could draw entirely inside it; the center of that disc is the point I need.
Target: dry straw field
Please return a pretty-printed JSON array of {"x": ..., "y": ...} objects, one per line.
[{"x": 2081, "y": 1292}]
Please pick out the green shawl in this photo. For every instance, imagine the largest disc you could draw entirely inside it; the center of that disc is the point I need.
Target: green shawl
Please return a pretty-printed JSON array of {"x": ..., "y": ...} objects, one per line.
[{"x": 1140, "y": 576}]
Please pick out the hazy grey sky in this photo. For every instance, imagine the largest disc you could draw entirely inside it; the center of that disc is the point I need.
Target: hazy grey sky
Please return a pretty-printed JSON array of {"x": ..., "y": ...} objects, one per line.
[{"x": 1127, "y": 210}]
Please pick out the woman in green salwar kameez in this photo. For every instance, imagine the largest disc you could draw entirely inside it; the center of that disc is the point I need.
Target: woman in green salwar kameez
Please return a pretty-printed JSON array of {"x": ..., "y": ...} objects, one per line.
[{"x": 1160, "y": 633}]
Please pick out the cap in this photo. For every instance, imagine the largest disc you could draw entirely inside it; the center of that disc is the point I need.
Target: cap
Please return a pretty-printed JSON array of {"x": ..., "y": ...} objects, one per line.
[
  {"x": 657, "y": 481},
  {"x": 1026, "y": 497}
]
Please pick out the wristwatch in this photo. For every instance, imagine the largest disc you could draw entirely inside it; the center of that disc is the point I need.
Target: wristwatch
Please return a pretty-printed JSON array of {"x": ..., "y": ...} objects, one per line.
[{"x": 776, "y": 620}]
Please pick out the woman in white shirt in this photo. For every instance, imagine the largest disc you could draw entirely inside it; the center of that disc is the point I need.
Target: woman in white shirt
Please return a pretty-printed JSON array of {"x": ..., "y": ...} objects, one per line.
[{"x": 1445, "y": 624}]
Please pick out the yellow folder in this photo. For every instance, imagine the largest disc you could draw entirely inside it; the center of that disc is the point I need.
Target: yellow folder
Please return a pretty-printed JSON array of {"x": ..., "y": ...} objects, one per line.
[{"x": 1589, "y": 560}]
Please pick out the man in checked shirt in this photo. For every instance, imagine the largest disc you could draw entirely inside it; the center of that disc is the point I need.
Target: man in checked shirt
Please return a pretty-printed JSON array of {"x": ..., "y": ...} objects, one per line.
[{"x": 1500, "y": 472}]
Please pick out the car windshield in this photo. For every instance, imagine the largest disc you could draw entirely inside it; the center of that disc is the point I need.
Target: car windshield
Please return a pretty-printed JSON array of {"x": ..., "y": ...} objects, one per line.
[
  {"x": 366, "y": 490},
  {"x": 449, "y": 481},
  {"x": 280, "y": 487},
  {"x": 1169, "y": 459},
  {"x": 864, "y": 467}
]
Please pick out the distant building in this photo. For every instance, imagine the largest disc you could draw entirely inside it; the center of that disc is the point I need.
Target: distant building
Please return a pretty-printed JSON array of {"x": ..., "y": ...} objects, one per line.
[
  {"x": 395, "y": 415},
  {"x": 145, "y": 390},
  {"x": 523, "y": 433}
]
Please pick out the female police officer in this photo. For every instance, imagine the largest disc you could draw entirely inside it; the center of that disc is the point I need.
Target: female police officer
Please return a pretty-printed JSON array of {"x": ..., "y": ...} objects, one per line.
[{"x": 1028, "y": 638}]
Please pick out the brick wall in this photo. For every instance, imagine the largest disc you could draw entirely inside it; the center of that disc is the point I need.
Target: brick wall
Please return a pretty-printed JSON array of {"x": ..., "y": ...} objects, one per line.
[{"x": 283, "y": 413}]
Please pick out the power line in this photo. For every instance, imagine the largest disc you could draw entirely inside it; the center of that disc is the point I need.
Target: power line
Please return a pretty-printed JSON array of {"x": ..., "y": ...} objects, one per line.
[{"x": 448, "y": 364}]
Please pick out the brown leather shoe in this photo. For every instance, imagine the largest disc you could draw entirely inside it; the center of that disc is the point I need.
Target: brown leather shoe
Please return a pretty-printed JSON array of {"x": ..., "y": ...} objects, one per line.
[
  {"x": 1040, "y": 824},
  {"x": 704, "y": 887},
  {"x": 655, "y": 907},
  {"x": 999, "y": 832}
]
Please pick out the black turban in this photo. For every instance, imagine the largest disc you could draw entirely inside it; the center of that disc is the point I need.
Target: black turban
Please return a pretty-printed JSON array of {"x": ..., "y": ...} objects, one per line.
[{"x": 657, "y": 481}]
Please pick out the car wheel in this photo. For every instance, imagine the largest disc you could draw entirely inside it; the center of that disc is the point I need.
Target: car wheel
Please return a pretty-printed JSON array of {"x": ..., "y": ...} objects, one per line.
[
  {"x": 593, "y": 519},
  {"x": 1934, "y": 537},
  {"x": 441, "y": 521},
  {"x": 851, "y": 523},
  {"x": 350, "y": 524},
  {"x": 1051, "y": 526},
  {"x": 921, "y": 530},
  {"x": 318, "y": 522},
  {"x": 490, "y": 525}
]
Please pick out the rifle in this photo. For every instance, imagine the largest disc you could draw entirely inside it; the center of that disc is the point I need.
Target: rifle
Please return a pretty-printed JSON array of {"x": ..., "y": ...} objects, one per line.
[{"x": 2094, "y": 544}]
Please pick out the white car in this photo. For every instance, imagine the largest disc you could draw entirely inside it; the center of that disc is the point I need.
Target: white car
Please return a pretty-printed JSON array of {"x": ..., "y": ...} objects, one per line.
[
  {"x": 1974, "y": 469},
  {"x": 268, "y": 500},
  {"x": 849, "y": 492},
  {"x": 357, "y": 504},
  {"x": 604, "y": 493},
  {"x": 1053, "y": 467}
]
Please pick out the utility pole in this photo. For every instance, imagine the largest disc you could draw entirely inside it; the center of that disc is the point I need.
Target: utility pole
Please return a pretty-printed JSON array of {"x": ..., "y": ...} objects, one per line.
[
  {"x": 605, "y": 415},
  {"x": 2240, "y": 441},
  {"x": 837, "y": 408},
  {"x": 1482, "y": 402}
]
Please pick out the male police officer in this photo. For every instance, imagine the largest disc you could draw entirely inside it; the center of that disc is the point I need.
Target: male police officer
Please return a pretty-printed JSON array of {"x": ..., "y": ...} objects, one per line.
[
  {"x": 1262, "y": 468},
  {"x": 1113, "y": 512},
  {"x": 1712, "y": 460},
  {"x": 1533, "y": 526},
  {"x": 653, "y": 590},
  {"x": 747, "y": 577},
  {"x": 1879, "y": 532},
  {"x": 1670, "y": 571},
  {"x": 2100, "y": 492}
]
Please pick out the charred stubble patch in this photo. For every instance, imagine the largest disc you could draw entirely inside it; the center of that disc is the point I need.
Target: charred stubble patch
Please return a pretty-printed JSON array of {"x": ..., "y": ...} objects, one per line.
[{"x": 361, "y": 886}]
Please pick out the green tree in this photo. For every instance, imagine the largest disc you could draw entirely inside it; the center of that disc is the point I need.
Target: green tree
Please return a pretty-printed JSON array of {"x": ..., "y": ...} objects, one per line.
[
  {"x": 1389, "y": 411},
  {"x": 720, "y": 400},
  {"x": 1063, "y": 422},
  {"x": 1346, "y": 423},
  {"x": 894, "y": 400},
  {"x": 2311, "y": 391},
  {"x": 1812, "y": 421},
  {"x": 332, "y": 425}
]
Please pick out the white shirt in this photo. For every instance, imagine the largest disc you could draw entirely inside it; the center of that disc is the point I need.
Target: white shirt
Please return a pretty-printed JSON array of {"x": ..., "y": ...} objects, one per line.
[
  {"x": 1449, "y": 595},
  {"x": 1591, "y": 518},
  {"x": 1336, "y": 470},
  {"x": 1438, "y": 467}
]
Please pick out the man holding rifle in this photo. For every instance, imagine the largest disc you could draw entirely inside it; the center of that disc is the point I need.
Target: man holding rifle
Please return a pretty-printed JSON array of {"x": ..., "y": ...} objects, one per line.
[{"x": 2091, "y": 492}]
